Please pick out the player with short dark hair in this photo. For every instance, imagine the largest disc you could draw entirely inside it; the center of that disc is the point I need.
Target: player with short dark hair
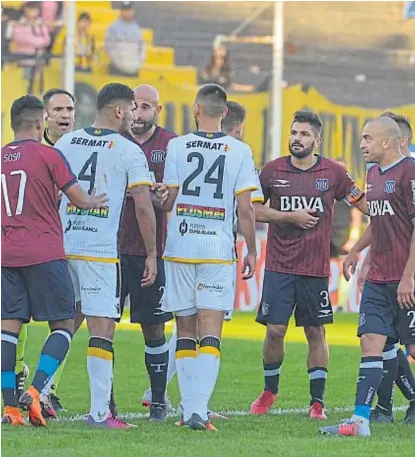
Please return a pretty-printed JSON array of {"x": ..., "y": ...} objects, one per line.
[
  {"x": 103, "y": 158},
  {"x": 297, "y": 264},
  {"x": 35, "y": 277},
  {"x": 386, "y": 311},
  {"x": 233, "y": 123}
]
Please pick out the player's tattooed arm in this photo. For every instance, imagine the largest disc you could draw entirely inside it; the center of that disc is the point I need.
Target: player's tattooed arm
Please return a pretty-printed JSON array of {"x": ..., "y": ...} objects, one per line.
[
  {"x": 351, "y": 261},
  {"x": 406, "y": 289},
  {"x": 83, "y": 200}
]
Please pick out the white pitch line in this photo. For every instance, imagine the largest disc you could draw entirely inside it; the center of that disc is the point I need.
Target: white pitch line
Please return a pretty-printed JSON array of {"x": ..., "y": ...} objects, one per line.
[{"x": 234, "y": 412}]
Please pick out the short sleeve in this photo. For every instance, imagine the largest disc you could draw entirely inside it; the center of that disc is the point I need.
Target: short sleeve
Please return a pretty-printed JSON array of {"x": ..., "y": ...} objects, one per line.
[
  {"x": 136, "y": 166},
  {"x": 264, "y": 179},
  {"x": 346, "y": 188},
  {"x": 59, "y": 168},
  {"x": 171, "y": 176},
  {"x": 257, "y": 195},
  {"x": 409, "y": 189},
  {"x": 247, "y": 179}
]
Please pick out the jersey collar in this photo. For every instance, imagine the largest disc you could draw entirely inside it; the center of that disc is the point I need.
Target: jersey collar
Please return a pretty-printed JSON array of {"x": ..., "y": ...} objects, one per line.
[
  {"x": 299, "y": 170},
  {"x": 210, "y": 135},
  {"x": 47, "y": 138},
  {"x": 99, "y": 132}
]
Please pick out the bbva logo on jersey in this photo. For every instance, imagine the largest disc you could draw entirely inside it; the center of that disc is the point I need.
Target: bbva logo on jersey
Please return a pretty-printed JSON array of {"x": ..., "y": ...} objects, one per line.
[
  {"x": 158, "y": 156},
  {"x": 294, "y": 203},
  {"x": 380, "y": 208}
]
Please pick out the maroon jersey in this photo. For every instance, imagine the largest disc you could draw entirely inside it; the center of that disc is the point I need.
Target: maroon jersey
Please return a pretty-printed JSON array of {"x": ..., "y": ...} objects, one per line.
[
  {"x": 130, "y": 239},
  {"x": 291, "y": 249},
  {"x": 31, "y": 229},
  {"x": 391, "y": 201}
]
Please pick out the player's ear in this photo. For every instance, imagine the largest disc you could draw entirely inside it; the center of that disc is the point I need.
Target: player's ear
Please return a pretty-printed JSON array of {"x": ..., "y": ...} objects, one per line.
[
  {"x": 119, "y": 111},
  {"x": 318, "y": 141},
  {"x": 159, "y": 109},
  {"x": 225, "y": 112}
]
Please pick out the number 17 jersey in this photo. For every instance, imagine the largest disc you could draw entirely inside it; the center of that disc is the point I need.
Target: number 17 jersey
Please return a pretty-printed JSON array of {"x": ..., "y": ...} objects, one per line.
[
  {"x": 107, "y": 161},
  {"x": 210, "y": 170}
]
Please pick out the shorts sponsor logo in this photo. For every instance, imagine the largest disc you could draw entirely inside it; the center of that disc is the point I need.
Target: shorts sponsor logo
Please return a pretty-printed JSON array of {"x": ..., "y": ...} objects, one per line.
[
  {"x": 265, "y": 309},
  {"x": 79, "y": 225},
  {"x": 91, "y": 289},
  {"x": 93, "y": 142},
  {"x": 281, "y": 183},
  {"x": 72, "y": 210},
  {"x": 158, "y": 156},
  {"x": 362, "y": 319},
  {"x": 210, "y": 287},
  {"x": 322, "y": 185},
  {"x": 202, "y": 212}
]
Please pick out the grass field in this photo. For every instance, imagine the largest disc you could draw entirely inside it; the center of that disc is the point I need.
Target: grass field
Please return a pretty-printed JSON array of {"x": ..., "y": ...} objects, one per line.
[{"x": 287, "y": 432}]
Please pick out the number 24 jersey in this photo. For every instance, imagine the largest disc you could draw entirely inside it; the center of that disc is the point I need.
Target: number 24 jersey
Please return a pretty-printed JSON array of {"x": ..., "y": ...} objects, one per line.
[
  {"x": 210, "y": 170},
  {"x": 104, "y": 160}
]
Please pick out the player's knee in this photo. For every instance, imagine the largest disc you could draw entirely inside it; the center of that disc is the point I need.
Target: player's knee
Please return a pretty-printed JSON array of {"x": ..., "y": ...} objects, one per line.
[
  {"x": 67, "y": 325},
  {"x": 372, "y": 344},
  {"x": 102, "y": 327},
  {"x": 187, "y": 326},
  {"x": 411, "y": 350},
  {"x": 316, "y": 335},
  {"x": 275, "y": 333},
  {"x": 153, "y": 331}
]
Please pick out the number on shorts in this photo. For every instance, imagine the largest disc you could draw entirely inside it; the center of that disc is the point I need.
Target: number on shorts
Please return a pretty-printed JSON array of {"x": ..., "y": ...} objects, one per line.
[
  {"x": 162, "y": 289},
  {"x": 218, "y": 164},
  {"x": 326, "y": 300},
  {"x": 88, "y": 171},
  {"x": 409, "y": 314},
  {"x": 20, "y": 195}
]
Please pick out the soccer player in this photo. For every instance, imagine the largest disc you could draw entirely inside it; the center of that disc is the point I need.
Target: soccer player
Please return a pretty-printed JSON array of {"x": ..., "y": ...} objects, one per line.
[
  {"x": 35, "y": 277},
  {"x": 145, "y": 303},
  {"x": 297, "y": 264},
  {"x": 101, "y": 157},
  {"x": 396, "y": 367},
  {"x": 206, "y": 172},
  {"x": 387, "y": 303}
]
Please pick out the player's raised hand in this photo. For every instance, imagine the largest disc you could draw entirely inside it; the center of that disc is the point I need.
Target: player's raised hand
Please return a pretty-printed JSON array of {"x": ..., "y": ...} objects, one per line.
[
  {"x": 162, "y": 191},
  {"x": 98, "y": 200},
  {"x": 249, "y": 266},
  {"x": 406, "y": 295},
  {"x": 304, "y": 218},
  {"x": 350, "y": 264},
  {"x": 150, "y": 271}
]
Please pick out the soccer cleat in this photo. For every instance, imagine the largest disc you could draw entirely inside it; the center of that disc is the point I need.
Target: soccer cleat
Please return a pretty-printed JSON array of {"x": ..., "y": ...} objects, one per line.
[
  {"x": 21, "y": 379},
  {"x": 30, "y": 401},
  {"x": 13, "y": 416},
  {"x": 181, "y": 423},
  {"x": 109, "y": 422},
  {"x": 381, "y": 416},
  {"x": 56, "y": 402},
  {"x": 317, "y": 412},
  {"x": 158, "y": 412},
  {"x": 48, "y": 411},
  {"x": 410, "y": 414},
  {"x": 263, "y": 403},
  {"x": 146, "y": 401},
  {"x": 113, "y": 405},
  {"x": 346, "y": 428},
  {"x": 197, "y": 423}
]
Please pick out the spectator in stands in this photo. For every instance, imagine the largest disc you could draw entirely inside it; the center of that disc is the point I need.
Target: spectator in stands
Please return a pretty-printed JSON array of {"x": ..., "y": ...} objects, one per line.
[
  {"x": 51, "y": 14},
  {"x": 124, "y": 43},
  {"x": 29, "y": 37},
  {"x": 4, "y": 40},
  {"x": 84, "y": 44},
  {"x": 218, "y": 69}
]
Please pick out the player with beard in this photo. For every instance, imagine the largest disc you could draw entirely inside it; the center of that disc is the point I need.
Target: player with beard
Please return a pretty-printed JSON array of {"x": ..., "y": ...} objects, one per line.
[
  {"x": 145, "y": 303},
  {"x": 297, "y": 264}
]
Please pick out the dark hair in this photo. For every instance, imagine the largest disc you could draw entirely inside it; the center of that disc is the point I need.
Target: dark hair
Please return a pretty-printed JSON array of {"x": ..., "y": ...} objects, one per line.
[
  {"x": 309, "y": 117},
  {"x": 26, "y": 109},
  {"x": 31, "y": 5},
  {"x": 112, "y": 92},
  {"x": 84, "y": 15},
  {"x": 236, "y": 115},
  {"x": 51, "y": 92},
  {"x": 402, "y": 121},
  {"x": 213, "y": 98}
]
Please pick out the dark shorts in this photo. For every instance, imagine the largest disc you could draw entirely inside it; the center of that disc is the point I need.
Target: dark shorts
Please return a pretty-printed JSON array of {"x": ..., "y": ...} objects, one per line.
[
  {"x": 43, "y": 292},
  {"x": 380, "y": 314},
  {"x": 307, "y": 296},
  {"x": 145, "y": 302}
]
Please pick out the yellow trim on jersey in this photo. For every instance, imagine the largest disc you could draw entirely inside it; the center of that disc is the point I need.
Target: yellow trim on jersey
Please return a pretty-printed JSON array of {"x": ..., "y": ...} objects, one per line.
[
  {"x": 175, "y": 186},
  {"x": 143, "y": 183},
  {"x": 186, "y": 353},
  {"x": 209, "y": 350},
  {"x": 245, "y": 189},
  {"x": 257, "y": 199},
  {"x": 92, "y": 259},
  {"x": 99, "y": 353},
  {"x": 180, "y": 260}
]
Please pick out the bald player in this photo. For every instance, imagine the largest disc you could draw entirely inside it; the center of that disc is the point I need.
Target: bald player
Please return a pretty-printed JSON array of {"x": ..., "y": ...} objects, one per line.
[
  {"x": 388, "y": 302},
  {"x": 145, "y": 303}
]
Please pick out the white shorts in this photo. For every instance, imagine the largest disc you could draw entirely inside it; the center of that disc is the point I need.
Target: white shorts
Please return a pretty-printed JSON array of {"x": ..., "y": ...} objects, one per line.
[
  {"x": 191, "y": 286},
  {"x": 97, "y": 287}
]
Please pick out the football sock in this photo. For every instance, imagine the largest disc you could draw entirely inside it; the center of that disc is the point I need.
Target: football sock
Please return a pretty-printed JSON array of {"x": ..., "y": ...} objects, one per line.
[
  {"x": 21, "y": 343},
  {"x": 208, "y": 363},
  {"x": 157, "y": 359},
  {"x": 100, "y": 371},
  {"x": 53, "y": 352},
  {"x": 390, "y": 369},
  {"x": 8, "y": 367},
  {"x": 272, "y": 376},
  {"x": 370, "y": 375},
  {"x": 171, "y": 368},
  {"x": 186, "y": 373},
  {"x": 318, "y": 377},
  {"x": 405, "y": 379}
]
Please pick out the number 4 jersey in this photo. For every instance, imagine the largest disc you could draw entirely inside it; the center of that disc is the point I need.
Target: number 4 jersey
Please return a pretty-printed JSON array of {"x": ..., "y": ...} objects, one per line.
[
  {"x": 104, "y": 160},
  {"x": 210, "y": 171}
]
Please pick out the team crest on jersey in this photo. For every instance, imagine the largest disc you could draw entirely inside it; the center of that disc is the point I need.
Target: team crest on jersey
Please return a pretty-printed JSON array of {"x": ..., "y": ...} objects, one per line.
[
  {"x": 322, "y": 185},
  {"x": 158, "y": 156},
  {"x": 390, "y": 187}
]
